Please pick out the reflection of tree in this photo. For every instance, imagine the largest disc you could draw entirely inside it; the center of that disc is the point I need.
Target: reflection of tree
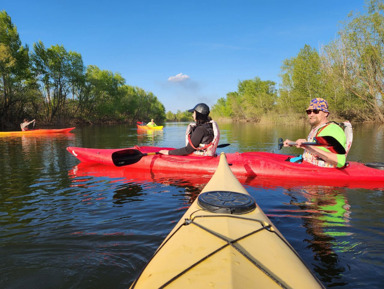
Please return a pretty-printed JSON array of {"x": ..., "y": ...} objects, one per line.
[
  {"x": 326, "y": 217},
  {"x": 25, "y": 163},
  {"x": 149, "y": 136},
  {"x": 132, "y": 180},
  {"x": 131, "y": 192},
  {"x": 127, "y": 193}
]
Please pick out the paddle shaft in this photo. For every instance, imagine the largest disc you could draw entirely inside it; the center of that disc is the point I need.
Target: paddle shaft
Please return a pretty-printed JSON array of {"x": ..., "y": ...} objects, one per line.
[
  {"x": 131, "y": 156},
  {"x": 292, "y": 143},
  {"x": 327, "y": 141}
]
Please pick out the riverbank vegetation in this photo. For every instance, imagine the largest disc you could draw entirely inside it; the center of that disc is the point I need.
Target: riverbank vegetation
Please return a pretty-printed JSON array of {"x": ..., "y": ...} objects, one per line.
[
  {"x": 54, "y": 86},
  {"x": 348, "y": 73}
]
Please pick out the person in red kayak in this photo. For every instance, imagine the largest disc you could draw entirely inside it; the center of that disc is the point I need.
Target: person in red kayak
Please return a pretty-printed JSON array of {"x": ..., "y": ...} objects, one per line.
[
  {"x": 318, "y": 113},
  {"x": 24, "y": 125},
  {"x": 202, "y": 137}
]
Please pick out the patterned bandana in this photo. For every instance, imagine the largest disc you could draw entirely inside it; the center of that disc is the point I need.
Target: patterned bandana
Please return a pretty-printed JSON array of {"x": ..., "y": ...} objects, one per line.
[{"x": 319, "y": 104}]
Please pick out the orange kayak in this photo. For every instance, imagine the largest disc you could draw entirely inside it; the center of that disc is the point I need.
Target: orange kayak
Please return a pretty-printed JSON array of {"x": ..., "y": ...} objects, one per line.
[
  {"x": 144, "y": 127},
  {"x": 36, "y": 131}
]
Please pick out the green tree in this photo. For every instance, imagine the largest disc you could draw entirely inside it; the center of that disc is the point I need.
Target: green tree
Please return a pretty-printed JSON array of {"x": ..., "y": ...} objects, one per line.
[
  {"x": 105, "y": 90},
  {"x": 302, "y": 80},
  {"x": 356, "y": 60},
  {"x": 15, "y": 78},
  {"x": 221, "y": 109},
  {"x": 253, "y": 99},
  {"x": 259, "y": 96},
  {"x": 109, "y": 98},
  {"x": 58, "y": 71}
]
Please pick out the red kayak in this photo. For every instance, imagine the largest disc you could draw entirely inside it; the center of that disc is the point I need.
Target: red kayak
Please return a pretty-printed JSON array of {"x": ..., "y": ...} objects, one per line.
[
  {"x": 250, "y": 167},
  {"x": 37, "y": 131}
]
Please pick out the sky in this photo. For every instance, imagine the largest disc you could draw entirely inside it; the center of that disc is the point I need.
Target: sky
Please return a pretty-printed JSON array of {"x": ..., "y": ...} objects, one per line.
[{"x": 184, "y": 52}]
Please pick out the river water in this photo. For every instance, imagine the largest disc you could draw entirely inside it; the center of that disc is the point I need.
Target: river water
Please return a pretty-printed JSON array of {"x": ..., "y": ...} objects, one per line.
[{"x": 68, "y": 226}]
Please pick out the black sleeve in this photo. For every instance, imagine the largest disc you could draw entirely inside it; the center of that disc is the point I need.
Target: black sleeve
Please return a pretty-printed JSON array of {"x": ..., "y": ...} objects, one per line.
[{"x": 196, "y": 138}]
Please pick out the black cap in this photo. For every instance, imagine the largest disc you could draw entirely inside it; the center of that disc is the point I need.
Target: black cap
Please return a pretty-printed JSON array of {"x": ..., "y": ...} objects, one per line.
[{"x": 201, "y": 108}]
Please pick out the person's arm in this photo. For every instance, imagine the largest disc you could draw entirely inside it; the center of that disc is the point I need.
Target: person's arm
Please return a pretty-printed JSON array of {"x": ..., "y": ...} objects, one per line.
[
  {"x": 328, "y": 157},
  {"x": 298, "y": 142},
  {"x": 337, "y": 160}
]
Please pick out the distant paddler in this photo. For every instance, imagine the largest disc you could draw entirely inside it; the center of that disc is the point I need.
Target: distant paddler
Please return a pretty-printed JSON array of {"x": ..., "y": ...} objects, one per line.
[
  {"x": 151, "y": 123},
  {"x": 24, "y": 125}
]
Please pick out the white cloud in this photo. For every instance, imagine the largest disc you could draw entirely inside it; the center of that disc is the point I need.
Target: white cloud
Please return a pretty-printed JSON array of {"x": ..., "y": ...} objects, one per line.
[{"x": 178, "y": 78}]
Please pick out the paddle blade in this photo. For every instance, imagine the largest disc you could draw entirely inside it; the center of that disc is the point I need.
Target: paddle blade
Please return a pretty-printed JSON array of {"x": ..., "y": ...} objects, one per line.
[
  {"x": 332, "y": 144},
  {"x": 280, "y": 143},
  {"x": 126, "y": 157}
]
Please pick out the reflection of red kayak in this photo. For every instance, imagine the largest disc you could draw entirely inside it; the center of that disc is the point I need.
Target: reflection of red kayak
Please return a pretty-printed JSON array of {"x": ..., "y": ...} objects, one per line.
[
  {"x": 127, "y": 174},
  {"x": 36, "y": 131},
  {"x": 184, "y": 179},
  {"x": 258, "y": 167}
]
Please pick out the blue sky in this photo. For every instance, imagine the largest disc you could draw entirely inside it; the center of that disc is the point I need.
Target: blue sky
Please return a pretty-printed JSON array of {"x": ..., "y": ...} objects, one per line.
[{"x": 184, "y": 52}]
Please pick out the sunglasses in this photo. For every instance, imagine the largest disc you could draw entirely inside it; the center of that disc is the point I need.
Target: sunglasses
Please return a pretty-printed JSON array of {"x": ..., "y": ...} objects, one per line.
[{"x": 315, "y": 111}]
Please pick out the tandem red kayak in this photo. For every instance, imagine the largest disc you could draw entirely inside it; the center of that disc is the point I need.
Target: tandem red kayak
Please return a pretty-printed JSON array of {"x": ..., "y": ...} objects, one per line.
[{"x": 255, "y": 166}]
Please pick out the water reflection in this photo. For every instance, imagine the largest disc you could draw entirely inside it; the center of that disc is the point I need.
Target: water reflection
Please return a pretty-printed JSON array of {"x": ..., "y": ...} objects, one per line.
[
  {"x": 127, "y": 193},
  {"x": 96, "y": 227},
  {"x": 149, "y": 136},
  {"x": 326, "y": 215},
  {"x": 132, "y": 182}
]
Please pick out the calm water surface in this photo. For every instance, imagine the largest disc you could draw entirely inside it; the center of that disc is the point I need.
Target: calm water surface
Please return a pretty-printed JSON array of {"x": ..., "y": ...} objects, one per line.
[{"x": 69, "y": 226}]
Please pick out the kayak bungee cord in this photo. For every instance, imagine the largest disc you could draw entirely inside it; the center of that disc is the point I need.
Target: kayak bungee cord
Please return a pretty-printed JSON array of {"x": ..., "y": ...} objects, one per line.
[
  {"x": 224, "y": 240},
  {"x": 232, "y": 243},
  {"x": 229, "y": 242}
]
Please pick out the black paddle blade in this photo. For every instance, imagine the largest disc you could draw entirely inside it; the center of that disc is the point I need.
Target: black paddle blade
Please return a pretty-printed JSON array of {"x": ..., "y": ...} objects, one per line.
[
  {"x": 332, "y": 143},
  {"x": 223, "y": 145},
  {"x": 280, "y": 143},
  {"x": 126, "y": 157}
]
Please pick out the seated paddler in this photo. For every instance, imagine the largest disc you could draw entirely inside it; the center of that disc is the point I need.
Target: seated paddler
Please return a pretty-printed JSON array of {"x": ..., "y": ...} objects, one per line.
[
  {"x": 202, "y": 136},
  {"x": 323, "y": 156}
]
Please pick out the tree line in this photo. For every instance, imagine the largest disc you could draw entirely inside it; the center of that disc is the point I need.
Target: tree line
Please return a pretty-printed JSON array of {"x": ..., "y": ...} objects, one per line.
[
  {"x": 348, "y": 73},
  {"x": 52, "y": 85}
]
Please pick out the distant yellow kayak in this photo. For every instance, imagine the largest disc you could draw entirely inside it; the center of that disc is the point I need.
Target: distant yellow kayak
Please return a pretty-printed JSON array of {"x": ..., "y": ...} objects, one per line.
[
  {"x": 36, "y": 132},
  {"x": 144, "y": 127},
  {"x": 224, "y": 240}
]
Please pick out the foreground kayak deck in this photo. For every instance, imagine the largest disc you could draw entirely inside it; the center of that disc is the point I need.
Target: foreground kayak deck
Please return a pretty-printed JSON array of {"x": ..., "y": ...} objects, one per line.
[
  {"x": 252, "y": 166},
  {"x": 224, "y": 240},
  {"x": 36, "y": 131}
]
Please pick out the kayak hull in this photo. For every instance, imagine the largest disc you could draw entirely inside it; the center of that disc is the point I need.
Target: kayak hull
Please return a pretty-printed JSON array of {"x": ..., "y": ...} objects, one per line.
[
  {"x": 37, "y": 132},
  {"x": 251, "y": 166},
  {"x": 144, "y": 127},
  {"x": 216, "y": 247}
]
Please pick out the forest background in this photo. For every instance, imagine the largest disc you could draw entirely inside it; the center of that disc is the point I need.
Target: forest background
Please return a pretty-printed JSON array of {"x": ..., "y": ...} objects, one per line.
[{"x": 53, "y": 85}]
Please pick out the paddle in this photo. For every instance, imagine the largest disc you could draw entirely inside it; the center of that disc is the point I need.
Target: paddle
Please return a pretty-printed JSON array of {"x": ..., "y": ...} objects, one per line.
[
  {"x": 327, "y": 141},
  {"x": 132, "y": 156}
]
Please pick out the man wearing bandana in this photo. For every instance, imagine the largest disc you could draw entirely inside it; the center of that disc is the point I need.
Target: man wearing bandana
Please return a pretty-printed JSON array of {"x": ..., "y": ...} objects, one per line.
[{"x": 318, "y": 118}]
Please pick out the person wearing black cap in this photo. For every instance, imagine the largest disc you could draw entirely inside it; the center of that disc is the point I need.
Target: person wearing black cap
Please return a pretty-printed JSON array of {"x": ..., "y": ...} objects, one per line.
[{"x": 202, "y": 137}]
